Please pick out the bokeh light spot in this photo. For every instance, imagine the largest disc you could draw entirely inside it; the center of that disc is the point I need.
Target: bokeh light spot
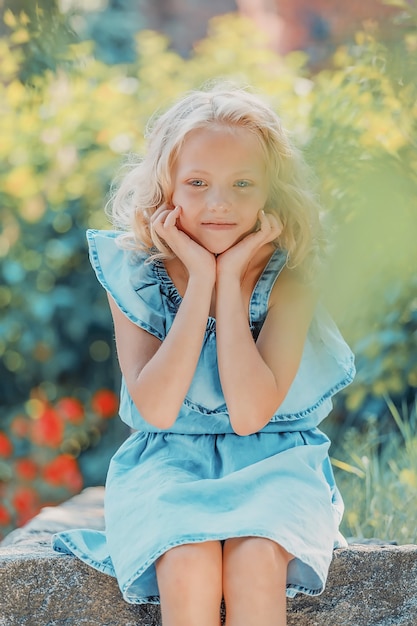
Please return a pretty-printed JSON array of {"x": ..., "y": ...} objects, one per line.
[
  {"x": 13, "y": 361},
  {"x": 100, "y": 350}
]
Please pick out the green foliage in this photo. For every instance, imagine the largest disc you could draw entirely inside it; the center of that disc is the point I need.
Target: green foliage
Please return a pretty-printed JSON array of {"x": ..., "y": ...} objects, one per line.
[
  {"x": 386, "y": 355},
  {"x": 40, "y": 34},
  {"x": 377, "y": 476},
  {"x": 43, "y": 34},
  {"x": 113, "y": 31},
  {"x": 362, "y": 143}
]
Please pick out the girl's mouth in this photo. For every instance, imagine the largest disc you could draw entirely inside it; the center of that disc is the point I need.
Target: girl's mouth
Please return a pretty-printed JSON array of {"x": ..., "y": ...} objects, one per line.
[{"x": 218, "y": 225}]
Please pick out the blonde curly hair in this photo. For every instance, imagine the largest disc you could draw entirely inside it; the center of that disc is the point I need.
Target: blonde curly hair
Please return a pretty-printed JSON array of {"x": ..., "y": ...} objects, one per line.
[{"x": 148, "y": 183}]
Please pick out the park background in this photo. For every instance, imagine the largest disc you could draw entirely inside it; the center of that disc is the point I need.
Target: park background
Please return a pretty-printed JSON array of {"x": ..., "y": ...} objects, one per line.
[{"x": 78, "y": 82}]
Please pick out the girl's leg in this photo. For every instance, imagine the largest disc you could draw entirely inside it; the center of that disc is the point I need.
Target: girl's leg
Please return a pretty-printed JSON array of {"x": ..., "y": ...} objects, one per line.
[
  {"x": 254, "y": 582},
  {"x": 190, "y": 584}
]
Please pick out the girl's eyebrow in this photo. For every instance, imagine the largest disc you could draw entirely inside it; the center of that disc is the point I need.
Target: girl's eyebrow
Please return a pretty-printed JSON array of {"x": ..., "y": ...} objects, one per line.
[
  {"x": 199, "y": 172},
  {"x": 196, "y": 172}
]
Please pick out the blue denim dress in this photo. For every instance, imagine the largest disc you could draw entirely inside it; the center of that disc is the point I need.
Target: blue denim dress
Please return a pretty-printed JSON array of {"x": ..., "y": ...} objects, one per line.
[{"x": 200, "y": 481}]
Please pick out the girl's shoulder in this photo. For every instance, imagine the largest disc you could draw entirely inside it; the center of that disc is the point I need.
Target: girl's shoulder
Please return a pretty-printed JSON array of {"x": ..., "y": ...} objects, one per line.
[
  {"x": 129, "y": 279},
  {"x": 110, "y": 255},
  {"x": 111, "y": 242}
]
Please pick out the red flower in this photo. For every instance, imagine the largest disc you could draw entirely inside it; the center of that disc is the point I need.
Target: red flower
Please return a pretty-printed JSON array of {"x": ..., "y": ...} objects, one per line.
[
  {"x": 26, "y": 502},
  {"x": 63, "y": 471},
  {"x": 26, "y": 469},
  {"x": 6, "y": 446},
  {"x": 48, "y": 429},
  {"x": 71, "y": 409},
  {"x": 105, "y": 403},
  {"x": 5, "y": 517}
]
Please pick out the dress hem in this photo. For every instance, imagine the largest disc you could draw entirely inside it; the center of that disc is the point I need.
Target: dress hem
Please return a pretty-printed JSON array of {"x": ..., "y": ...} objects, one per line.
[{"x": 291, "y": 590}]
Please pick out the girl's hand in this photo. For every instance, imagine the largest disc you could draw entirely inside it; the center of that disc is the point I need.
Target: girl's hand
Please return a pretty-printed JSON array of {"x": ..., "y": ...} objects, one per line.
[
  {"x": 236, "y": 259},
  {"x": 194, "y": 257}
]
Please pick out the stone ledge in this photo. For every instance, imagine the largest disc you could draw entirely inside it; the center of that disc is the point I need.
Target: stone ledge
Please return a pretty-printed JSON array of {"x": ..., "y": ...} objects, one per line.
[{"x": 368, "y": 585}]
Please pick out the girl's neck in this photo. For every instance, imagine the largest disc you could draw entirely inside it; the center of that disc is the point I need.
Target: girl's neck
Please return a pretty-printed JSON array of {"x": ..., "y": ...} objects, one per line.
[{"x": 179, "y": 274}]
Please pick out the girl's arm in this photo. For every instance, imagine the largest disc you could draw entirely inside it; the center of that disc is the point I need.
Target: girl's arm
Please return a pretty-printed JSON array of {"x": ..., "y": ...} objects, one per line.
[
  {"x": 256, "y": 377},
  {"x": 158, "y": 374}
]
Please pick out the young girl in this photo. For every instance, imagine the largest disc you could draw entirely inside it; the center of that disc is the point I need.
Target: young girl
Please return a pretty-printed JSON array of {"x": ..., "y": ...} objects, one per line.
[{"x": 225, "y": 489}]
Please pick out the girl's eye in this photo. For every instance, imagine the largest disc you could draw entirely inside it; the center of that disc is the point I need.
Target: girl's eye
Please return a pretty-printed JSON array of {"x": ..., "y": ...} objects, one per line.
[
  {"x": 197, "y": 182},
  {"x": 242, "y": 183}
]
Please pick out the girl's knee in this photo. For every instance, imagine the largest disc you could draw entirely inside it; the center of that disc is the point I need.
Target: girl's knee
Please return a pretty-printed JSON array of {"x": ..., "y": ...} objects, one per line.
[
  {"x": 258, "y": 550},
  {"x": 190, "y": 584},
  {"x": 254, "y": 581},
  {"x": 188, "y": 559}
]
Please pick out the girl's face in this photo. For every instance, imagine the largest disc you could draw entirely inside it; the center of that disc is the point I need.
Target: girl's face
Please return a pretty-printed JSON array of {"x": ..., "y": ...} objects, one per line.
[{"x": 220, "y": 181}]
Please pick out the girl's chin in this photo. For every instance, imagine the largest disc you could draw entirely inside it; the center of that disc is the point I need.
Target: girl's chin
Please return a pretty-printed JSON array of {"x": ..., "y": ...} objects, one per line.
[
  {"x": 219, "y": 249},
  {"x": 215, "y": 247}
]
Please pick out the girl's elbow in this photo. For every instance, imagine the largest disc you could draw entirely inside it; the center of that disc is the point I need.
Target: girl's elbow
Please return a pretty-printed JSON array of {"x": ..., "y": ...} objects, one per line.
[
  {"x": 162, "y": 422},
  {"x": 157, "y": 418},
  {"x": 246, "y": 422},
  {"x": 243, "y": 430},
  {"x": 244, "y": 425}
]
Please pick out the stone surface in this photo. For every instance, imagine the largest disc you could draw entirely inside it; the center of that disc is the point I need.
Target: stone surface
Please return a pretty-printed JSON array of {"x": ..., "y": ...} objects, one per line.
[{"x": 368, "y": 585}]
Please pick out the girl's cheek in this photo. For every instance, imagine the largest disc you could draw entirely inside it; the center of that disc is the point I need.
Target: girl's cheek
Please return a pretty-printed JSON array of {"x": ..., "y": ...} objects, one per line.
[
  {"x": 177, "y": 197},
  {"x": 181, "y": 225}
]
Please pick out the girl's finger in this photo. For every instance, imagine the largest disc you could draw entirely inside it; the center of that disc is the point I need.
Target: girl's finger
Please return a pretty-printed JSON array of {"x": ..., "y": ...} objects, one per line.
[
  {"x": 274, "y": 223},
  {"x": 157, "y": 212},
  {"x": 264, "y": 223},
  {"x": 160, "y": 221},
  {"x": 164, "y": 208},
  {"x": 157, "y": 225},
  {"x": 172, "y": 217},
  {"x": 270, "y": 228},
  {"x": 262, "y": 218}
]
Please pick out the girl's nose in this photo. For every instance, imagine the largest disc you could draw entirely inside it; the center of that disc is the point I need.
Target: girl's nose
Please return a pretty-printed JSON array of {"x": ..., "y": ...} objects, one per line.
[{"x": 218, "y": 201}]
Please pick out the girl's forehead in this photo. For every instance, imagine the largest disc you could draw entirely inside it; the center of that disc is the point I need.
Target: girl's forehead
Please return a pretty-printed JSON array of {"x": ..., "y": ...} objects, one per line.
[
  {"x": 221, "y": 150},
  {"x": 217, "y": 135}
]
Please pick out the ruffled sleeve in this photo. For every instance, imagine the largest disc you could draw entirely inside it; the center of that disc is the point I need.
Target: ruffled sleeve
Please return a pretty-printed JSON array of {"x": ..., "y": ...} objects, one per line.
[
  {"x": 327, "y": 366},
  {"x": 130, "y": 282}
]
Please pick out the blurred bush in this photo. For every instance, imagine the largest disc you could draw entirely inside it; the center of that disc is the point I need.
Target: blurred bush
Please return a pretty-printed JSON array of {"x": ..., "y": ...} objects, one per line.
[
  {"x": 39, "y": 32},
  {"x": 63, "y": 138},
  {"x": 50, "y": 27},
  {"x": 363, "y": 125}
]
